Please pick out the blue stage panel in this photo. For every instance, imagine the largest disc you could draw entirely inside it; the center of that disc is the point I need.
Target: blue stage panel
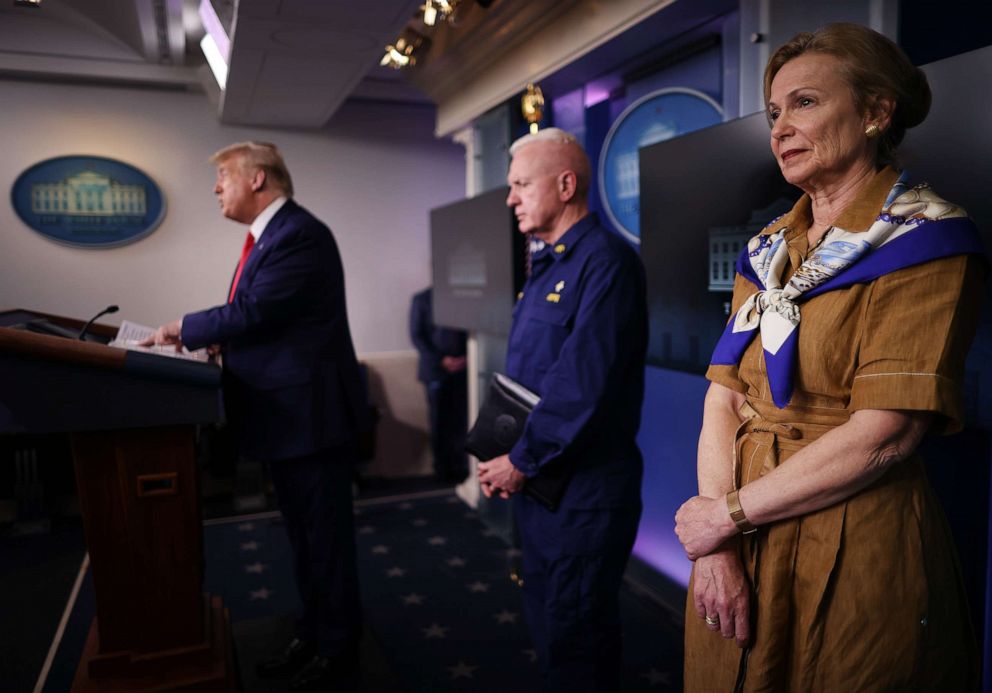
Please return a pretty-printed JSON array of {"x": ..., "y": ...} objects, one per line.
[{"x": 670, "y": 422}]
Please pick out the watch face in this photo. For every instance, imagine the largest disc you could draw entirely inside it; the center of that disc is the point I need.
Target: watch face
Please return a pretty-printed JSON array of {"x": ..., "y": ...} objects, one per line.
[{"x": 659, "y": 116}]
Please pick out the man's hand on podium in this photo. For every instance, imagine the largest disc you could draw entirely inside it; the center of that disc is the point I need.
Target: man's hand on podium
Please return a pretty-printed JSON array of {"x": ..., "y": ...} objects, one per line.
[{"x": 170, "y": 333}]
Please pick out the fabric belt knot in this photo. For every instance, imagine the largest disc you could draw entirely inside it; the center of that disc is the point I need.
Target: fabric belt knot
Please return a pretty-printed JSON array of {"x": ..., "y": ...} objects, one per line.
[
  {"x": 773, "y": 437},
  {"x": 780, "y": 430}
]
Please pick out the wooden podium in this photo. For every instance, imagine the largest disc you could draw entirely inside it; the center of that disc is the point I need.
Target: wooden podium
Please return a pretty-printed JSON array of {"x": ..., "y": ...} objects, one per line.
[{"x": 131, "y": 419}]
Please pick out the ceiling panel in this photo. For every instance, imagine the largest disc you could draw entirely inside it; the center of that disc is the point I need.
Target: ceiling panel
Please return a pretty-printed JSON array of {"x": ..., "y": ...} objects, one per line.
[
  {"x": 299, "y": 59},
  {"x": 292, "y": 62}
]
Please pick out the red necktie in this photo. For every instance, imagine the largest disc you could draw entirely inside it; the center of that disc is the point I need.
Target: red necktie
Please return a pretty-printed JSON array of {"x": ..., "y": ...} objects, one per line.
[{"x": 249, "y": 244}]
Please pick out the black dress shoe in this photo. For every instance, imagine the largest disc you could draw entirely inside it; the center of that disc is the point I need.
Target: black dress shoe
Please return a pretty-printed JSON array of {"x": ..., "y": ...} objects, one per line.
[
  {"x": 288, "y": 659},
  {"x": 321, "y": 673},
  {"x": 315, "y": 675}
]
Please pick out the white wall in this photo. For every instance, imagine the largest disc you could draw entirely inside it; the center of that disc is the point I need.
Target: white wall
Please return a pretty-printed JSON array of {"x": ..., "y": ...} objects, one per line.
[
  {"x": 777, "y": 21},
  {"x": 372, "y": 175}
]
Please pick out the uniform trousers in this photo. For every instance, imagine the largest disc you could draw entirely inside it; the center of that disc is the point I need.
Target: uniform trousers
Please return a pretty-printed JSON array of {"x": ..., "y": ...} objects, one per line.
[
  {"x": 573, "y": 566},
  {"x": 314, "y": 494}
]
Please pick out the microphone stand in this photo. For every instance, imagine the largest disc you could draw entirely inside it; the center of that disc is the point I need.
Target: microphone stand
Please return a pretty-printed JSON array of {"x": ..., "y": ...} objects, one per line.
[{"x": 105, "y": 311}]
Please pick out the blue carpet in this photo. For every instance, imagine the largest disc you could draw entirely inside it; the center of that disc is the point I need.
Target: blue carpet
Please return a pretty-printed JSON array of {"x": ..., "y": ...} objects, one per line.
[
  {"x": 437, "y": 598},
  {"x": 441, "y": 612},
  {"x": 37, "y": 573}
]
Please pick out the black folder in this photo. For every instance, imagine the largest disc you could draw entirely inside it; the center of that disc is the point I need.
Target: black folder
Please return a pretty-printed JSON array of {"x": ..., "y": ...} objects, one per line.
[{"x": 497, "y": 429}]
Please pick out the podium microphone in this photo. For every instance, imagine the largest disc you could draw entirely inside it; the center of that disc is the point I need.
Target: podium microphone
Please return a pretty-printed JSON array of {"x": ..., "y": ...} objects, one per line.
[{"x": 108, "y": 309}]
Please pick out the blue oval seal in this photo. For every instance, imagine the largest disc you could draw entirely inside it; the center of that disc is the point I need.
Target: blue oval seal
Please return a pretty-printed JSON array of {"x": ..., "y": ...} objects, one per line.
[
  {"x": 88, "y": 201},
  {"x": 658, "y": 116}
]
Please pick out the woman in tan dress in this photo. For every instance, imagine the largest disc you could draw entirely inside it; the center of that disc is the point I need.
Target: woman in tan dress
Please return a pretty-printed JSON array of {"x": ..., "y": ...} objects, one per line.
[{"x": 822, "y": 559}]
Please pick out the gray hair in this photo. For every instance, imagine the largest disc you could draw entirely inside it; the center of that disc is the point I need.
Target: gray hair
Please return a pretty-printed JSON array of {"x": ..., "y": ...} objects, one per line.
[
  {"x": 567, "y": 155},
  {"x": 546, "y": 135}
]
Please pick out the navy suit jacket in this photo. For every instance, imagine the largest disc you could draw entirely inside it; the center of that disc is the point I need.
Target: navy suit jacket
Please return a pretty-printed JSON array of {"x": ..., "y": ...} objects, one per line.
[
  {"x": 433, "y": 343},
  {"x": 292, "y": 382}
]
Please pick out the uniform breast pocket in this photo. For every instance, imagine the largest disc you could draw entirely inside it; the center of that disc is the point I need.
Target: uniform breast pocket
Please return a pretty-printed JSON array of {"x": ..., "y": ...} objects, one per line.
[
  {"x": 559, "y": 315},
  {"x": 545, "y": 331}
]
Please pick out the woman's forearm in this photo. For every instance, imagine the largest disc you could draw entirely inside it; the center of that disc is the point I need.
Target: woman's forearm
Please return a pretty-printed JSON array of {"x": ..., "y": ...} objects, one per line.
[
  {"x": 714, "y": 465},
  {"x": 836, "y": 466}
]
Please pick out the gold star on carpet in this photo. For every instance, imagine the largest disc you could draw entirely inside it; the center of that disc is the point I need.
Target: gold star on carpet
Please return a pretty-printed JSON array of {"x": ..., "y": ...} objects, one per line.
[
  {"x": 462, "y": 670},
  {"x": 435, "y": 631}
]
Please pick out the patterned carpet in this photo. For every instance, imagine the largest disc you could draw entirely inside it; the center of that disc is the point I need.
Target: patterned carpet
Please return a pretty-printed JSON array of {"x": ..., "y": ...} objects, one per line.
[{"x": 441, "y": 612}]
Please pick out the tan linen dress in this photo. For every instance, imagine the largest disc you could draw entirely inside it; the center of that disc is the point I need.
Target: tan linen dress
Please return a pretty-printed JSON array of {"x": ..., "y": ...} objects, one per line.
[{"x": 865, "y": 595}]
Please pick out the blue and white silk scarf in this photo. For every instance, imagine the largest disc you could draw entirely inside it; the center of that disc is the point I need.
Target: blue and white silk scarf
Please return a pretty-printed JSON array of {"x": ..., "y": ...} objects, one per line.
[{"x": 915, "y": 226}]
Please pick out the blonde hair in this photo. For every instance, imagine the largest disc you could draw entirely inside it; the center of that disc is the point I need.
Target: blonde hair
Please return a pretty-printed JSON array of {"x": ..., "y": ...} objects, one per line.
[
  {"x": 874, "y": 68},
  {"x": 259, "y": 156}
]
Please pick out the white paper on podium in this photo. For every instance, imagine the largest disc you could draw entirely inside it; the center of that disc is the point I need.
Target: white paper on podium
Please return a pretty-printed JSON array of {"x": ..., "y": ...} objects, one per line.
[{"x": 130, "y": 333}]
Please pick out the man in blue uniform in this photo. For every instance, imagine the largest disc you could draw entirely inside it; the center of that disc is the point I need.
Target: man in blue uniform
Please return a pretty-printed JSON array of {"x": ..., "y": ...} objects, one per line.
[{"x": 578, "y": 340}]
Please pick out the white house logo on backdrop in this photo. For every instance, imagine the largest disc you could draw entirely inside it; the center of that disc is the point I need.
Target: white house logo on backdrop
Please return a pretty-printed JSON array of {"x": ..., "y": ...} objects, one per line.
[
  {"x": 88, "y": 201},
  {"x": 659, "y": 116},
  {"x": 88, "y": 194}
]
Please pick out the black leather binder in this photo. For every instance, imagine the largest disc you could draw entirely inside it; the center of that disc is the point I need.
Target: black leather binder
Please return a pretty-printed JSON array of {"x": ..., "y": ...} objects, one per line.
[{"x": 501, "y": 423}]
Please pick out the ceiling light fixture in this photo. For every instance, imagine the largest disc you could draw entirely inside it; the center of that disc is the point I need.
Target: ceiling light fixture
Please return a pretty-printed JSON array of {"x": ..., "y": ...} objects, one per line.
[
  {"x": 27, "y": 3},
  {"x": 402, "y": 53},
  {"x": 532, "y": 106},
  {"x": 215, "y": 44},
  {"x": 438, "y": 9},
  {"x": 214, "y": 59}
]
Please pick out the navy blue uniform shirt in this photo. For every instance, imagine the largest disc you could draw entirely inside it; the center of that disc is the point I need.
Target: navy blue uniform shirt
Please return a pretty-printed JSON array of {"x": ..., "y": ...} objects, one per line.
[{"x": 578, "y": 340}]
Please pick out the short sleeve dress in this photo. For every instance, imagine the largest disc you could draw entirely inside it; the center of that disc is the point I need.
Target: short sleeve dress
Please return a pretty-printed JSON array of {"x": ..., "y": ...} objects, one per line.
[{"x": 865, "y": 595}]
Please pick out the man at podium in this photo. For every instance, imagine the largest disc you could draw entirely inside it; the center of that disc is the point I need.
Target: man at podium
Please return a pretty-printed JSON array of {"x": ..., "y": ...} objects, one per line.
[{"x": 294, "y": 395}]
